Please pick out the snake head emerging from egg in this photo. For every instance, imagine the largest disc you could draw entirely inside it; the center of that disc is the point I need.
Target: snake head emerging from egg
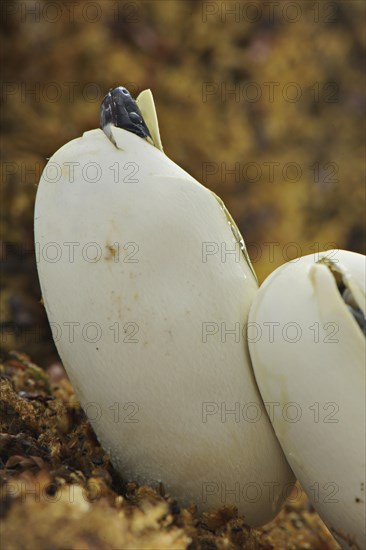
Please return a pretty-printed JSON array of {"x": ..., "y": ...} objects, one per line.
[{"x": 119, "y": 109}]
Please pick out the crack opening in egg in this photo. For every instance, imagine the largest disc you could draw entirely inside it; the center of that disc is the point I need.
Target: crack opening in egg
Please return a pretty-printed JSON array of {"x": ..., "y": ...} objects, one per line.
[
  {"x": 346, "y": 293},
  {"x": 235, "y": 231}
]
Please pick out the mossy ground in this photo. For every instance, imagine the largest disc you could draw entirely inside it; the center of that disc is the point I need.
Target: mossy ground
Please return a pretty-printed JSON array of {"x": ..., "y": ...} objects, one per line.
[{"x": 59, "y": 490}]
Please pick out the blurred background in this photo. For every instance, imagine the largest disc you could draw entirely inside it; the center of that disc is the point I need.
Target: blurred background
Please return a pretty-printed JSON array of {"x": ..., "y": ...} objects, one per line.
[{"x": 262, "y": 102}]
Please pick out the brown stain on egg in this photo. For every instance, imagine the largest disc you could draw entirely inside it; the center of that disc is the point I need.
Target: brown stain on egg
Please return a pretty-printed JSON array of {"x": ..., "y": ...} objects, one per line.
[{"x": 111, "y": 252}]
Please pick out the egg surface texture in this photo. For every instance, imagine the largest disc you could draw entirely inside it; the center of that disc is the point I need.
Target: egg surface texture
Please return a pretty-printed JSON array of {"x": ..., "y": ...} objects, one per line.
[{"x": 147, "y": 286}]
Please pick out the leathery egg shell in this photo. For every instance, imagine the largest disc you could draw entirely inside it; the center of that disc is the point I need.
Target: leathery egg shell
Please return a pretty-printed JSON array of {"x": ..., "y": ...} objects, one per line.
[
  {"x": 308, "y": 352},
  {"x": 138, "y": 299}
]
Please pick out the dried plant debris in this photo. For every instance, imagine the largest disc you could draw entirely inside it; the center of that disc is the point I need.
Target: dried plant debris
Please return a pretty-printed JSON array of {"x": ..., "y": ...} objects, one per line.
[{"x": 59, "y": 490}]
